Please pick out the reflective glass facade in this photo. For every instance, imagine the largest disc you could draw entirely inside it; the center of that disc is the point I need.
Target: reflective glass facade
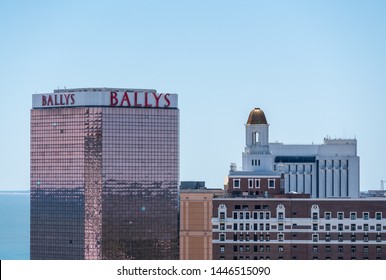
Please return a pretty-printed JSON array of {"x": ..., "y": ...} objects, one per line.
[{"x": 104, "y": 183}]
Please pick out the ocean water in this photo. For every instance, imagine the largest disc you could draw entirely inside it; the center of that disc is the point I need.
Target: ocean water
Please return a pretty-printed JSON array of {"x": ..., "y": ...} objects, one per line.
[{"x": 14, "y": 225}]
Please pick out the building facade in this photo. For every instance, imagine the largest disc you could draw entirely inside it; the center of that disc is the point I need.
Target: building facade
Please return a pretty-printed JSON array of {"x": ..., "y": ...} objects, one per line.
[
  {"x": 196, "y": 220},
  {"x": 298, "y": 228},
  {"x": 104, "y": 174}
]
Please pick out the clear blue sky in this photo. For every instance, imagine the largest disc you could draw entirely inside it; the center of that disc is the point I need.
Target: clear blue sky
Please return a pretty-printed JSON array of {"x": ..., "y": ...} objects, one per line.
[{"x": 316, "y": 68}]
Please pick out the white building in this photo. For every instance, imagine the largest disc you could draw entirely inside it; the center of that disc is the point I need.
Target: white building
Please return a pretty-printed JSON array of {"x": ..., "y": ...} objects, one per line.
[{"x": 327, "y": 170}]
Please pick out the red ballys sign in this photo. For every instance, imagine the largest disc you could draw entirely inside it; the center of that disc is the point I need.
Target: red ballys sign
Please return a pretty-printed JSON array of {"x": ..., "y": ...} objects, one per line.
[
  {"x": 147, "y": 99},
  {"x": 101, "y": 97},
  {"x": 58, "y": 100}
]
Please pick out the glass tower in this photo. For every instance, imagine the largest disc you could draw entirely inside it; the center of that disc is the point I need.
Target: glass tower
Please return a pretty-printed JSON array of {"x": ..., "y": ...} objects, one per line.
[{"x": 104, "y": 180}]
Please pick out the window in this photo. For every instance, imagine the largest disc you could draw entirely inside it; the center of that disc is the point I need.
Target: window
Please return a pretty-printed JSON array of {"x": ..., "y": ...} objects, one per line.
[
  {"x": 353, "y": 249},
  {"x": 340, "y": 227},
  {"x": 247, "y": 214},
  {"x": 236, "y": 183},
  {"x": 353, "y": 215},
  {"x": 247, "y": 237},
  {"x": 379, "y": 238},
  {"x": 222, "y": 215},
  {"x": 255, "y": 249},
  {"x": 280, "y": 227},
  {"x": 353, "y": 238},
  {"x": 327, "y": 249},
  {"x": 235, "y": 215},
  {"x": 241, "y": 249},
  {"x": 378, "y": 215},
  {"x": 315, "y": 238},
  {"x": 314, "y": 227},
  {"x": 353, "y": 227},
  {"x": 267, "y": 248},
  {"x": 261, "y": 226},
  {"x": 267, "y": 237},
  {"x": 241, "y": 226},
  {"x": 378, "y": 227},
  {"x": 280, "y": 237},
  {"x": 340, "y": 238},
  {"x": 241, "y": 237},
  {"x": 315, "y": 216},
  {"x": 261, "y": 214},
  {"x": 261, "y": 248},
  {"x": 222, "y": 249},
  {"x": 261, "y": 237},
  {"x": 222, "y": 237},
  {"x": 366, "y": 249},
  {"x": 222, "y": 226},
  {"x": 271, "y": 183},
  {"x": 280, "y": 249},
  {"x": 340, "y": 215},
  {"x": 378, "y": 250},
  {"x": 247, "y": 248},
  {"x": 328, "y": 237},
  {"x": 257, "y": 183},
  {"x": 366, "y": 227},
  {"x": 267, "y": 227},
  {"x": 250, "y": 183},
  {"x": 280, "y": 215},
  {"x": 234, "y": 237},
  {"x": 328, "y": 227},
  {"x": 366, "y": 238},
  {"x": 365, "y": 215},
  {"x": 246, "y": 226},
  {"x": 327, "y": 215},
  {"x": 315, "y": 249},
  {"x": 255, "y": 215},
  {"x": 241, "y": 215},
  {"x": 255, "y": 237},
  {"x": 267, "y": 215},
  {"x": 255, "y": 227},
  {"x": 234, "y": 226},
  {"x": 340, "y": 249}
]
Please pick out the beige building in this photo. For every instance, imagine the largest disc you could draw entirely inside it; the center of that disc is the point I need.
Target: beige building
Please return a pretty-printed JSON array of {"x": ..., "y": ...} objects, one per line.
[{"x": 196, "y": 223}]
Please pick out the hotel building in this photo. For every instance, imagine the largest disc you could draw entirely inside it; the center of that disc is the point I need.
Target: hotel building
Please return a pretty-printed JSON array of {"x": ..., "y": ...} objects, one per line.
[
  {"x": 292, "y": 202},
  {"x": 327, "y": 170},
  {"x": 289, "y": 227},
  {"x": 104, "y": 174}
]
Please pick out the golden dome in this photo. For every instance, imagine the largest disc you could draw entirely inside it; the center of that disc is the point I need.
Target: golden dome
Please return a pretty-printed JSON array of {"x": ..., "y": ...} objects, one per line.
[{"x": 256, "y": 116}]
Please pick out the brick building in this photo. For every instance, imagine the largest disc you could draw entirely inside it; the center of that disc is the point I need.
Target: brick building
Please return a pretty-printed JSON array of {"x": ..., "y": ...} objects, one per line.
[{"x": 298, "y": 228}]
